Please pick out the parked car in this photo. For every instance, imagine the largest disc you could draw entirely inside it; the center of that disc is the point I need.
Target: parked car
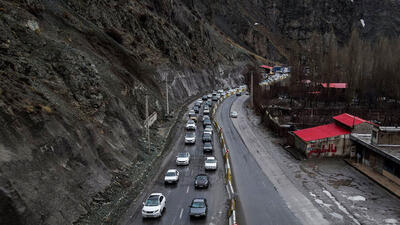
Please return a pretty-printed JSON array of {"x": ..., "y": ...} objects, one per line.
[
  {"x": 183, "y": 159},
  {"x": 207, "y": 137},
  {"x": 190, "y": 125},
  {"x": 210, "y": 163},
  {"x": 206, "y": 122},
  {"x": 207, "y": 147},
  {"x": 154, "y": 205},
  {"x": 172, "y": 176},
  {"x": 201, "y": 181},
  {"x": 198, "y": 207},
  {"x": 234, "y": 114},
  {"x": 204, "y": 98},
  {"x": 190, "y": 138}
]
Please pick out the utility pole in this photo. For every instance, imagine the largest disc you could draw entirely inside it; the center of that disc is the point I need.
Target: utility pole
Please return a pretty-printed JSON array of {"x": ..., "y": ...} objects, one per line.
[
  {"x": 252, "y": 89},
  {"x": 166, "y": 91},
  {"x": 147, "y": 123}
]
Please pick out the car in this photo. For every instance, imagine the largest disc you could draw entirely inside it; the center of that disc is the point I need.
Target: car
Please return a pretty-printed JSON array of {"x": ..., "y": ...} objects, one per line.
[
  {"x": 218, "y": 96},
  {"x": 238, "y": 93},
  {"x": 210, "y": 163},
  {"x": 201, "y": 181},
  {"x": 214, "y": 98},
  {"x": 220, "y": 91},
  {"x": 198, "y": 103},
  {"x": 207, "y": 137},
  {"x": 209, "y": 103},
  {"x": 198, "y": 207},
  {"x": 194, "y": 118},
  {"x": 207, "y": 147},
  {"x": 183, "y": 159},
  {"x": 234, "y": 114},
  {"x": 209, "y": 129},
  {"x": 172, "y": 176},
  {"x": 192, "y": 113},
  {"x": 190, "y": 125},
  {"x": 204, "y": 98},
  {"x": 196, "y": 109},
  {"x": 209, "y": 96},
  {"x": 246, "y": 93},
  {"x": 206, "y": 117},
  {"x": 207, "y": 132},
  {"x": 206, "y": 111},
  {"x": 190, "y": 138},
  {"x": 154, "y": 205},
  {"x": 206, "y": 122}
]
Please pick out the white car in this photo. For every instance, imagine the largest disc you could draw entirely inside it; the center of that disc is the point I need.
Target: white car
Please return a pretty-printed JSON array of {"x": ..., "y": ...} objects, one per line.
[
  {"x": 172, "y": 176},
  {"x": 183, "y": 158},
  {"x": 154, "y": 205},
  {"x": 200, "y": 101},
  {"x": 206, "y": 111},
  {"x": 208, "y": 129},
  {"x": 190, "y": 138},
  {"x": 234, "y": 114},
  {"x": 210, "y": 163},
  {"x": 190, "y": 125}
]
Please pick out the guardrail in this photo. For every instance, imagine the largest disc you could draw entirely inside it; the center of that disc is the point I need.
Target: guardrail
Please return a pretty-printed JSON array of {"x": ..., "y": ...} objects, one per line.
[{"x": 228, "y": 171}]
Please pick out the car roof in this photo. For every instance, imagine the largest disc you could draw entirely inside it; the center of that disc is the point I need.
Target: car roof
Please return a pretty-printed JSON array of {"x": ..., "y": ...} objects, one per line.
[
  {"x": 171, "y": 170},
  {"x": 199, "y": 200},
  {"x": 155, "y": 194},
  {"x": 207, "y": 143}
]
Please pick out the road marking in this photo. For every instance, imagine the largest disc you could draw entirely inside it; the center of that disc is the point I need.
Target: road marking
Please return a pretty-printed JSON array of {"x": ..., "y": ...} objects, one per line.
[
  {"x": 180, "y": 215},
  {"x": 187, "y": 190}
]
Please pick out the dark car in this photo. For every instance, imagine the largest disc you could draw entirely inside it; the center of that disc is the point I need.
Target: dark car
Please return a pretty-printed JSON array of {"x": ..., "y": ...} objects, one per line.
[
  {"x": 196, "y": 109},
  {"x": 198, "y": 208},
  {"x": 201, "y": 181},
  {"x": 206, "y": 122},
  {"x": 209, "y": 103},
  {"x": 207, "y": 147},
  {"x": 204, "y": 98},
  {"x": 207, "y": 137}
]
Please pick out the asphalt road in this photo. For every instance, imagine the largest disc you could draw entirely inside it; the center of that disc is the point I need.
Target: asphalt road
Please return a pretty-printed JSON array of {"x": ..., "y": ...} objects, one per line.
[
  {"x": 259, "y": 202},
  {"x": 179, "y": 196}
]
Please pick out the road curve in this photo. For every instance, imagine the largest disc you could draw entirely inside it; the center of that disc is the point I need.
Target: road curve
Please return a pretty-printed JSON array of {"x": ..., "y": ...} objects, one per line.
[
  {"x": 179, "y": 196},
  {"x": 259, "y": 202}
]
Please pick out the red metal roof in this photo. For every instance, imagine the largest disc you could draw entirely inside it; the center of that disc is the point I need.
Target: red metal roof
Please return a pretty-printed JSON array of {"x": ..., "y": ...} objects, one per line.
[
  {"x": 334, "y": 85},
  {"x": 349, "y": 120},
  {"x": 266, "y": 67},
  {"x": 320, "y": 132}
]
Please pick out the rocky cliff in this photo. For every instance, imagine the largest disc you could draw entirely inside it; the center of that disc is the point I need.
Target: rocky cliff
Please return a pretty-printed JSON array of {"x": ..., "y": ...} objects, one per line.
[{"x": 74, "y": 75}]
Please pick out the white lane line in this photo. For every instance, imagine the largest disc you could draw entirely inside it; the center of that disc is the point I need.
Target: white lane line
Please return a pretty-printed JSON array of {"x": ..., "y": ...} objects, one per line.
[
  {"x": 187, "y": 190},
  {"x": 180, "y": 215}
]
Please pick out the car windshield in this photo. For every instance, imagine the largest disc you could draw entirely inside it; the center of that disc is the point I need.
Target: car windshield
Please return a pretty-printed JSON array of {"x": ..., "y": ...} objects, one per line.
[
  {"x": 201, "y": 178},
  {"x": 190, "y": 122},
  {"x": 211, "y": 161},
  {"x": 182, "y": 155},
  {"x": 170, "y": 174},
  {"x": 190, "y": 134},
  {"x": 152, "y": 201},
  {"x": 198, "y": 204},
  {"x": 207, "y": 144}
]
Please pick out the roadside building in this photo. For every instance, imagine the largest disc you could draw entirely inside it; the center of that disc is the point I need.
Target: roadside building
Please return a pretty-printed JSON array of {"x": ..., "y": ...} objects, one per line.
[
  {"x": 378, "y": 155},
  {"x": 331, "y": 139}
]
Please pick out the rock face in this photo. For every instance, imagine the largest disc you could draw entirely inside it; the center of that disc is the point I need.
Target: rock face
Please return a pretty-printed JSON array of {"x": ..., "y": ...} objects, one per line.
[{"x": 73, "y": 76}]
